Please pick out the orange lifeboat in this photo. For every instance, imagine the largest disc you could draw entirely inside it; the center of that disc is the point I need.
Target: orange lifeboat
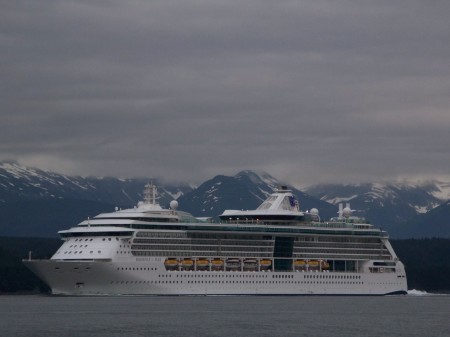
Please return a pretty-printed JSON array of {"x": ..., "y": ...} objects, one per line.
[
  {"x": 300, "y": 264},
  {"x": 217, "y": 264},
  {"x": 265, "y": 264},
  {"x": 313, "y": 264},
  {"x": 171, "y": 263},
  {"x": 202, "y": 264},
  {"x": 187, "y": 264}
]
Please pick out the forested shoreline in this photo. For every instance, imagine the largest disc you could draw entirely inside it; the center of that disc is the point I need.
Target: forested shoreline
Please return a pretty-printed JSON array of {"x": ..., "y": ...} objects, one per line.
[{"x": 427, "y": 263}]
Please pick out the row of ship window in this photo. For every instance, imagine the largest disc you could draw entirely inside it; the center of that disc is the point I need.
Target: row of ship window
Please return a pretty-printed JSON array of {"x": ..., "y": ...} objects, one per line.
[
  {"x": 341, "y": 245},
  {"x": 91, "y": 252},
  {"x": 325, "y": 239},
  {"x": 330, "y": 276},
  {"x": 381, "y": 270},
  {"x": 162, "y": 234},
  {"x": 214, "y": 237},
  {"x": 219, "y": 275},
  {"x": 202, "y": 248},
  {"x": 90, "y": 239},
  {"x": 276, "y": 276},
  {"x": 80, "y": 252},
  {"x": 341, "y": 256},
  {"x": 339, "y": 249},
  {"x": 240, "y": 282},
  {"x": 214, "y": 242},
  {"x": 322, "y": 249}
]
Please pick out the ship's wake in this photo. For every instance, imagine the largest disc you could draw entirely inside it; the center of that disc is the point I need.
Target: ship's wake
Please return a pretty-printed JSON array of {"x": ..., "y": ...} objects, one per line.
[{"x": 415, "y": 292}]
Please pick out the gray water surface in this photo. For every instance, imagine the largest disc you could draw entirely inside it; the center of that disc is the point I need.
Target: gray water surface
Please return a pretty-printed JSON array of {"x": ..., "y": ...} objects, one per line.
[{"x": 224, "y": 316}]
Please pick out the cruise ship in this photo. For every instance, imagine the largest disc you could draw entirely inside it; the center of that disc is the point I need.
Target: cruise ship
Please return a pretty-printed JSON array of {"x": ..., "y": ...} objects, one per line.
[{"x": 276, "y": 249}]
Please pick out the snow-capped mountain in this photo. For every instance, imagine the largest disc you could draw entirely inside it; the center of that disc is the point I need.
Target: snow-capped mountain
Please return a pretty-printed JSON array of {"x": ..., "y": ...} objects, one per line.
[
  {"x": 246, "y": 190},
  {"x": 36, "y": 202},
  {"x": 386, "y": 205},
  {"x": 435, "y": 223},
  {"x": 24, "y": 183}
]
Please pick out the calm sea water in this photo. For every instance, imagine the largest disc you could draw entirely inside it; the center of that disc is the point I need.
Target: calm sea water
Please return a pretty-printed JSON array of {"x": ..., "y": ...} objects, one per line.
[{"x": 224, "y": 316}]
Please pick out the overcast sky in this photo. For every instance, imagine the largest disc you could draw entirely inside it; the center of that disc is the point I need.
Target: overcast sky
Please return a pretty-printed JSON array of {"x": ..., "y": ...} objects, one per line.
[{"x": 310, "y": 91}]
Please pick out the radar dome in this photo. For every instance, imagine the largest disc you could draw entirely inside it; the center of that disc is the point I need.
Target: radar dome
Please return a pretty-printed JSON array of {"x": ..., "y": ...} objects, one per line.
[
  {"x": 174, "y": 204},
  {"x": 347, "y": 212},
  {"x": 314, "y": 211}
]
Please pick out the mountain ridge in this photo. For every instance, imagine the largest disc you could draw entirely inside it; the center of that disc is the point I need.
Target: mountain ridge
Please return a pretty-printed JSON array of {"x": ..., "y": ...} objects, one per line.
[{"x": 395, "y": 207}]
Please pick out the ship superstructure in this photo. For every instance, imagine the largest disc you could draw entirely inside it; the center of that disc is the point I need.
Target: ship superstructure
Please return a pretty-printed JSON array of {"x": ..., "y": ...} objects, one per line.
[{"x": 275, "y": 249}]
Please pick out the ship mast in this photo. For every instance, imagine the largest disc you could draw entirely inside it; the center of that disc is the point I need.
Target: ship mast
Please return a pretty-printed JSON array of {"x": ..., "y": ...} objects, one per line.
[{"x": 150, "y": 194}]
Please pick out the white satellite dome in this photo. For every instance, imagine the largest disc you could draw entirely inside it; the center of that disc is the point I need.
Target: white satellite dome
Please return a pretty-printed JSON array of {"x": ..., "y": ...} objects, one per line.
[
  {"x": 174, "y": 204},
  {"x": 347, "y": 212},
  {"x": 314, "y": 211}
]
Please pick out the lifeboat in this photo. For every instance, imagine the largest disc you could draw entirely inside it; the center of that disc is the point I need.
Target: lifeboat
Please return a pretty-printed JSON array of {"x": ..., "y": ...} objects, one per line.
[
  {"x": 250, "y": 265},
  {"x": 202, "y": 264},
  {"x": 233, "y": 264},
  {"x": 217, "y": 264},
  {"x": 313, "y": 264},
  {"x": 171, "y": 263},
  {"x": 265, "y": 264},
  {"x": 187, "y": 264},
  {"x": 300, "y": 264}
]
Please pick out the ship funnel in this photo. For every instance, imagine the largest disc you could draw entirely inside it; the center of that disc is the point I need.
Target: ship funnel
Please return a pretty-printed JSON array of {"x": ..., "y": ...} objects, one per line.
[{"x": 341, "y": 210}]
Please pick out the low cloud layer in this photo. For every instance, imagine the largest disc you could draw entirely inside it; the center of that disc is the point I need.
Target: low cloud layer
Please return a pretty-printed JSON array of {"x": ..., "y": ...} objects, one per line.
[{"x": 309, "y": 91}]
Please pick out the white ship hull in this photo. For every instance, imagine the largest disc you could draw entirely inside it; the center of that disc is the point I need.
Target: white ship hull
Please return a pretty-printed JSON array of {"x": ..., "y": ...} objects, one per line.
[{"x": 150, "y": 277}]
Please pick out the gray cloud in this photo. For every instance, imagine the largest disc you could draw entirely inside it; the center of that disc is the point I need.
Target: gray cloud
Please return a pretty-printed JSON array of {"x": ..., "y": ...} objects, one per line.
[{"x": 309, "y": 91}]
